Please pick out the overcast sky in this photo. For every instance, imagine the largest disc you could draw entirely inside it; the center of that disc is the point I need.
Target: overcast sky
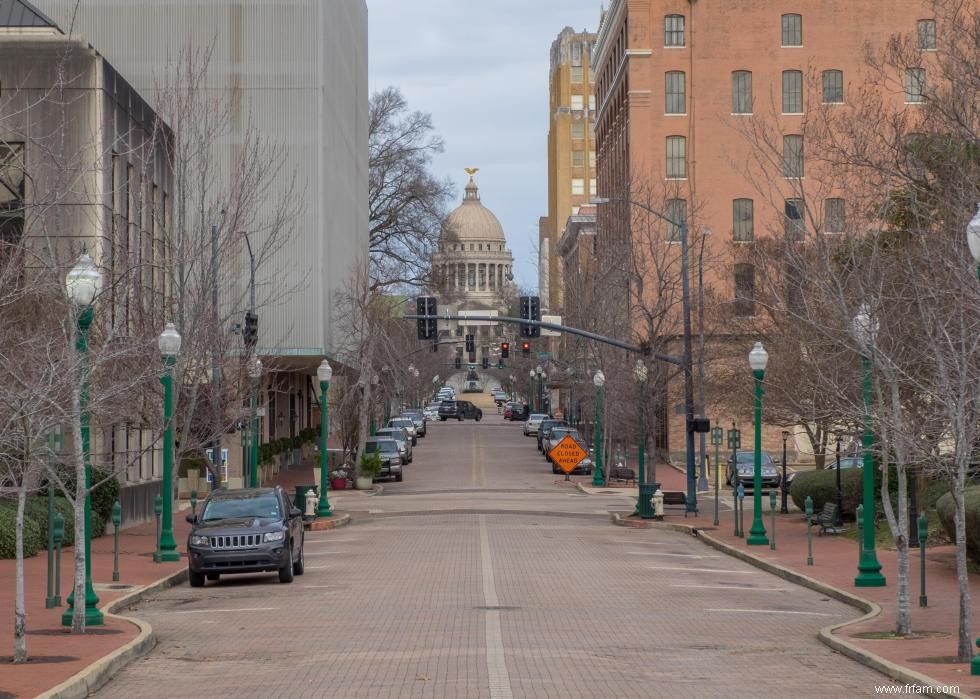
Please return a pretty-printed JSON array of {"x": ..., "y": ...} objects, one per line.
[{"x": 481, "y": 70}]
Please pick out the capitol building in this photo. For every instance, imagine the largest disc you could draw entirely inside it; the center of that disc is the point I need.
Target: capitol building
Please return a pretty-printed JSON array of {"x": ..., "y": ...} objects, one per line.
[{"x": 472, "y": 269}]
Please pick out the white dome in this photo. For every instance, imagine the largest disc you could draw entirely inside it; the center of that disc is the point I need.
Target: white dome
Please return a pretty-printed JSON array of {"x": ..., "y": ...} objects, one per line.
[{"x": 471, "y": 220}]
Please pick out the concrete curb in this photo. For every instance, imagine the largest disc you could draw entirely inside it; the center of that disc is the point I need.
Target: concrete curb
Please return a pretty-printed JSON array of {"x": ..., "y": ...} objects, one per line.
[
  {"x": 324, "y": 524},
  {"x": 90, "y": 679},
  {"x": 841, "y": 645}
]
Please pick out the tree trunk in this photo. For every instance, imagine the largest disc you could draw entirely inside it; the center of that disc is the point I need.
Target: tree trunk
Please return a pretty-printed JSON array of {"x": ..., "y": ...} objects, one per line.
[
  {"x": 964, "y": 647},
  {"x": 903, "y": 612},
  {"x": 20, "y": 612}
]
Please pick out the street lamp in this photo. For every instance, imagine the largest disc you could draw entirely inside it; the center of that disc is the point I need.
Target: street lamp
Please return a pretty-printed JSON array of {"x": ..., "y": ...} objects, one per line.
[
  {"x": 640, "y": 374},
  {"x": 541, "y": 377},
  {"x": 324, "y": 373},
  {"x": 169, "y": 343},
  {"x": 864, "y": 328},
  {"x": 758, "y": 359},
  {"x": 374, "y": 384},
  {"x": 530, "y": 391},
  {"x": 599, "y": 380},
  {"x": 570, "y": 413},
  {"x": 83, "y": 283},
  {"x": 415, "y": 387},
  {"x": 254, "y": 375},
  {"x": 783, "y": 509},
  {"x": 973, "y": 238}
]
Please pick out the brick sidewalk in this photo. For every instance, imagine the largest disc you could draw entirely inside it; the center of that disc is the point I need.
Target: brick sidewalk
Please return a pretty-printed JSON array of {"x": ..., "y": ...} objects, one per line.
[
  {"x": 835, "y": 563},
  {"x": 55, "y": 653}
]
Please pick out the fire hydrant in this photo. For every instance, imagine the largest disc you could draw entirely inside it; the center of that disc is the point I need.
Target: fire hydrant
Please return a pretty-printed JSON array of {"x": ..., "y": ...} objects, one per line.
[
  {"x": 310, "y": 503},
  {"x": 658, "y": 504}
]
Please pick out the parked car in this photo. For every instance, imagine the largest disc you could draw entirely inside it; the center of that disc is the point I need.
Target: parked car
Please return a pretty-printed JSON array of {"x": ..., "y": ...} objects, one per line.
[
  {"x": 409, "y": 426},
  {"x": 472, "y": 387},
  {"x": 831, "y": 464},
  {"x": 246, "y": 530},
  {"x": 544, "y": 430},
  {"x": 459, "y": 410},
  {"x": 391, "y": 460},
  {"x": 531, "y": 426},
  {"x": 431, "y": 411},
  {"x": 745, "y": 466},
  {"x": 418, "y": 417},
  {"x": 519, "y": 412},
  {"x": 559, "y": 433},
  {"x": 401, "y": 438}
]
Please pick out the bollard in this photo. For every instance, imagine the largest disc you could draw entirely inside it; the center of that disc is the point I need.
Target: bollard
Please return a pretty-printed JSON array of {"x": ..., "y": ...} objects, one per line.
[
  {"x": 59, "y": 536},
  {"x": 808, "y": 508},
  {"x": 194, "y": 503},
  {"x": 158, "y": 510},
  {"x": 923, "y": 535},
  {"x": 772, "y": 508},
  {"x": 740, "y": 492},
  {"x": 859, "y": 518},
  {"x": 116, "y": 521},
  {"x": 975, "y": 663},
  {"x": 51, "y": 600}
]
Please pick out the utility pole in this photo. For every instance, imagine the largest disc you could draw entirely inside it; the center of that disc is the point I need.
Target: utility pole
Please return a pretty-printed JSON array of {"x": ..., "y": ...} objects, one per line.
[{"x": 215, "y": 366}]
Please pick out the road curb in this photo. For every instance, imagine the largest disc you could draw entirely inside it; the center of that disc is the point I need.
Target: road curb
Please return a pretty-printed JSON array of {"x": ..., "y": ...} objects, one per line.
[
  {"x": 91, "y": 678},
  {"x": 843, "y": 646},
  {"x": 322, "y": 524}
]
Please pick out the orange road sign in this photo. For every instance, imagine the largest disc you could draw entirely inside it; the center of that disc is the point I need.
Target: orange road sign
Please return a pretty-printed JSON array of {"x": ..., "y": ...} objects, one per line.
[{"x": 567, "y": 454}]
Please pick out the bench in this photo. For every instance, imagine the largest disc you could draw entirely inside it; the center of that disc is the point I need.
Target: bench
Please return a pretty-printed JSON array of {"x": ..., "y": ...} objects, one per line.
[
  {"x": 622, "y": 473},
  {"x": 827, "y": 519}
]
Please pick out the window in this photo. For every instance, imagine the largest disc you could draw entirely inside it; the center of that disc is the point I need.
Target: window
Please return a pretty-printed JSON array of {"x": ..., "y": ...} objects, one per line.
[
  {"x": 792, "y": 92},
  {"x": 577, "y": 75},
  {"x": 792, "y": 30},
  {"x": 592, "y": 159},
  {"x": 578, "y": 186},
  {"x": 674, "y": 89},
  {"x": 676, "y": 212},
  {"x": 915, "y": 83},
  {"x": 793, "y": 156},
  {"x": 743, "y": 224},
  {"x": 793, "y": 219},
  {"x": 927, "y": 34},
  {"x": 744, "y": 289},
  {"x": 578, "y": 158},
  {"x": 12, "y": 193},
  {"x": 578, "y": 103},
  {"x": 578, "y": 129},
  {"x": 674, "y": 30},
  {"x": 592, "y": 187},
  {"x": 833, "y": 215},
  {"x": 591, "y": 103},
  {"x": 833, "y": 86},
  {"x": 742, "y": 92},
  {"x": 676, "y": 157}
]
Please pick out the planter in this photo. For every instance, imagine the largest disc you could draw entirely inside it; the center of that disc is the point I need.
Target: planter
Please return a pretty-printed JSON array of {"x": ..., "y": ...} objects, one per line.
[
  {"x": 338, "y": 484},
  {"x": 365, "y": 482}
]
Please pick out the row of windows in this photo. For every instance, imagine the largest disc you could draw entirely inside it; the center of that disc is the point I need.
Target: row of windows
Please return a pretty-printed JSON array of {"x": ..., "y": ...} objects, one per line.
[
  {"x": 578, "y": 158},
  {"x": 578, "y": 186},
  {"x": 743, "y": 218},
  {"x": 578, "y": 102},
  {"x": 791, "y": 26}
]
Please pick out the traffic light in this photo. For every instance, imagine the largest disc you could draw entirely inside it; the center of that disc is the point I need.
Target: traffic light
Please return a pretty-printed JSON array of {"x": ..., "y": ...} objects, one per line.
[
  {"x": 504, "y": 350},
  {"x": 250, "y": 332},
  {"x": 470, "y": 344},
  {"x": 486, "y": 362},
  {"x": 535, "y": 330},
  {"x": 427, "y": 327},
  {"x": 526, "y": 348},
  {"x": 459, "y": 362}
]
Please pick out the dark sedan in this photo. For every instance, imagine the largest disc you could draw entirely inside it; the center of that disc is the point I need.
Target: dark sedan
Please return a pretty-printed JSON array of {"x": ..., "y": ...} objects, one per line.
[{"x": 745, "y": 467}]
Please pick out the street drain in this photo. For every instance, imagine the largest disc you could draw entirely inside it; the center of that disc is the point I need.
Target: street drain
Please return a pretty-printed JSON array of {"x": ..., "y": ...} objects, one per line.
[{"x": 497, "y": 607}]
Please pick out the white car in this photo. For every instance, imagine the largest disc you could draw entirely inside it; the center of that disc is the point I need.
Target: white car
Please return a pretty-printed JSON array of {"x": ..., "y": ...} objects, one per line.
[
  {"x": 431, "y": 412},
  {"x": 532, "y": 424}
]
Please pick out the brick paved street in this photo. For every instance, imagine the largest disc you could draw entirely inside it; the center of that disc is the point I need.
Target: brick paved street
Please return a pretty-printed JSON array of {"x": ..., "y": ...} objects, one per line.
[{"x": 553, "y": 604}]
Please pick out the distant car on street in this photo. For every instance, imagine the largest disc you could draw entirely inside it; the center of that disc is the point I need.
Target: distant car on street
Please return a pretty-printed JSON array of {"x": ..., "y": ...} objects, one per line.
[
  {"x": 558, "y": 434},
  {"x": 744, "y": 466},
  {"x": 418, "y": 417},
  {"x": 391, "y": 460},
  {"x": 401, "y": 438},
  {"x": 459, "y": 410},
  {"x": 409, "y": 425},
  {"x": 533, "y": 421},
  {"x": 245, "y": 530},
  {"x": 544, "y": 430}
]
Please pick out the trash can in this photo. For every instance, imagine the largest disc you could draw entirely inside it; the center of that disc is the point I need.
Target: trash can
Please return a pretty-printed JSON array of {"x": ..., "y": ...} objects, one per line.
[
  {"x": 645, "y": 508},
  {"x": 300, "y": 499}
]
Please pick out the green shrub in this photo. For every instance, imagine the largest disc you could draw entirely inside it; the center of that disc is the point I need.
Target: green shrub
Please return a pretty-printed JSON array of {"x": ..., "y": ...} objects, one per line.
[
  {"x": 33, "y": 540},
  {"x": 822, "y": 487},
  {"x": 105, "y": 492},
  {"x": 64, "y": 508},
  {"x": 946, "y": 509},
  {"x": 370, "y": 465},
  {"x": 819, "y": 485},
  {"x": 931, "y": 493}
]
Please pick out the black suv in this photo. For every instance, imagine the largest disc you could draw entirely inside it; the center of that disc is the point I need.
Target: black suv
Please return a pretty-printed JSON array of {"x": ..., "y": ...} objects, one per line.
[
  {"x": 459, "y": 410},
  {"x": 247, "y": 530}
]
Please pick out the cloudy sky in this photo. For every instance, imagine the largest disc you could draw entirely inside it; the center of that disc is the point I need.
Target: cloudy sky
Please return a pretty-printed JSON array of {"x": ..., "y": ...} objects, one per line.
[{"x": 481, "y": 70}]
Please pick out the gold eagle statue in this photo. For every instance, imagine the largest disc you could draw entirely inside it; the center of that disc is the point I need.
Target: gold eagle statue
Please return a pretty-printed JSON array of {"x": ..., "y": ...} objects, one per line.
[{"x": 471, "y": 170}]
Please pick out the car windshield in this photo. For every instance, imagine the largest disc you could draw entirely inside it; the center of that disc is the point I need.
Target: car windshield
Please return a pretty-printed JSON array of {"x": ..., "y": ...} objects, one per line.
[
  {"x": 748, "y": 457},
  {"x": 849, "y": 462},
  {"x": 265, "y": 505},
  {"x": 401, "y": 422},
  {"x": 561, "y": 432},
  {"x": 537, "y": 417},
  {"x": 381, "y": 445}
]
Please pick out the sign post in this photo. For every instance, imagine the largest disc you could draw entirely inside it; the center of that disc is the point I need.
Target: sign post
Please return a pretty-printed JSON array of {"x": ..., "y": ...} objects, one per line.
[{"x": 567, "y": 454}]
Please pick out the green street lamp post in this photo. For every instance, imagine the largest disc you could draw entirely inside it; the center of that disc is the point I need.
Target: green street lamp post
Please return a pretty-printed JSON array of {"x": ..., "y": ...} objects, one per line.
[
  {"x": 865, "y": 329},
  {"x": 415, "y": 388},
  {"x": 640, "y": 375},
  {"x": 254, "y": 375},
  {"x": 717, "y": 435},
  {"x": 599, "y": 380},
  {"x": 83, "y": 282},
  {"x": 539, "y": 393},
  {"x": 530, "y": 392},
  {"x": 169, "y": 343},
  {"x": 758, "y": 359},
  {"x": 324, "y": 373}
]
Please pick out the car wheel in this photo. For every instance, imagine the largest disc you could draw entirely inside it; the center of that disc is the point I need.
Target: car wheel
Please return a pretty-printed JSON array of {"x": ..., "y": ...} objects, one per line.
[
  {"x": 286, "y": 572},
  {"x": 479, "y": 416},
  {"x": 460, "y": 418},
  {"x": 299, "y": 564},
  {"x": 214, "y": 576},
  {"x": 398, "y": 478},
  {"x": 195, "y": 579}
]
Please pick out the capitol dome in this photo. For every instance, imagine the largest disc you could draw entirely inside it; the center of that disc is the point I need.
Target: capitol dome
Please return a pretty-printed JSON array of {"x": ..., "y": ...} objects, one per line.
[{"x": 472, "y": 221}]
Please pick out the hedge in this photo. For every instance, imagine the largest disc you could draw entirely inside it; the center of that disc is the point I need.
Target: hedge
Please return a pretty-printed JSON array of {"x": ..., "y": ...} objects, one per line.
[
  {"x": 946, "y": 509},
  {"x": 104, "y": 495},
  {"x": 821, "y": 486},
  {"x": 34, "y": 541}
]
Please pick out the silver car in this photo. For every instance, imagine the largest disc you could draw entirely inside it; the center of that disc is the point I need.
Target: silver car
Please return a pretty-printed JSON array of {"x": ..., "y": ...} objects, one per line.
[
  {"x": 401, "y": 438},
  {"x": 409, "y": 426},
  {"x": 532, "y": 424}
]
